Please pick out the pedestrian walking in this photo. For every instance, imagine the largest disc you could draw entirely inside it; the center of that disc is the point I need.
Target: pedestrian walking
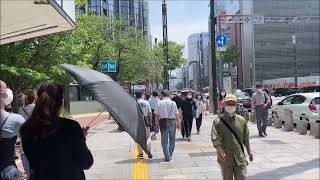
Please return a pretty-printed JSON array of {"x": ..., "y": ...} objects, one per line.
[
  {"x": 153, "y": 101},
  {"x": 260, "y": 104},
  {"x": 55, "y": 146},
  {"x": 229, "y": 135},
  {"x": 167, "y": 119},
  {"x": 147, "y": 113},
  {"x": 25, "y": 112},
  {"x": 201, "y": 110},
  {"x": 220, "y": 100},
  {"x": 178, "y": 99},
  {"x": 10, "y": 124},
  {"x": 189, "y": 109}
]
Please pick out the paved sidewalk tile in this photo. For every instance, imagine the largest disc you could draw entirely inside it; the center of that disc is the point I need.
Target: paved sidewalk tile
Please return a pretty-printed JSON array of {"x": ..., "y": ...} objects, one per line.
[{"x": 280, "y": 155}]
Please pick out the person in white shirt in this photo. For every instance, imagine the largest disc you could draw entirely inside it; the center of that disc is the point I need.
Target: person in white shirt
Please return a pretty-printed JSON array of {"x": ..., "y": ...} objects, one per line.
[
  {"x": 10, "y": 124},
  {"x": 153, "y": 101},
  {"x": 167, "y": 118},
  {"x": 147, "y": 113}
]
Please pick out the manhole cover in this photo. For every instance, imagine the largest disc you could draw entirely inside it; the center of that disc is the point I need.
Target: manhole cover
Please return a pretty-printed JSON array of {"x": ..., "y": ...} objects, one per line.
[
  {"x": 202, "y": 154},
  {"x": 274, "y": 142}
]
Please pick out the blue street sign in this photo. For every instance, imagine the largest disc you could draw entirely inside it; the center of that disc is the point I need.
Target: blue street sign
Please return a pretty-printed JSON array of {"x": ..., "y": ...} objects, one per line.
[
  {"x": 109, "y": 66},
  {"x": 112, "y": 66},
  {"x": 221, "y": 40}
]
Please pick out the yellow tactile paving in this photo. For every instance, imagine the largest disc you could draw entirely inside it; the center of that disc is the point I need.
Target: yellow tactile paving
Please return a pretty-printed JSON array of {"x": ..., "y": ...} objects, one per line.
[{"x": 139, "y": 167}]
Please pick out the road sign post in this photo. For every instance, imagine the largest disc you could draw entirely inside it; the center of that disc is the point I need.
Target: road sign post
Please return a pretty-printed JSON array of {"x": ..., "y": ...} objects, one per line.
[{"x": 221, "y": 41}]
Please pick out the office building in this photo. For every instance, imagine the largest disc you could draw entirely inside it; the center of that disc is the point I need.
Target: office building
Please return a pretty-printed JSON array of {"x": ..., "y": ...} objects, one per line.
[
  {"x": 268, "y": 48},
  {"x": 198, "y": 59},
  {"x": 134, "y": 12}
]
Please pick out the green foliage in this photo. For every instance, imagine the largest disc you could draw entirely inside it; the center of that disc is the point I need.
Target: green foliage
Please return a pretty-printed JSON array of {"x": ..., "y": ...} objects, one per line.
[
  {"x": 229, "y": 55},
  {"x": 176, "y": 59},
  {"x": 26, "y": 64}
]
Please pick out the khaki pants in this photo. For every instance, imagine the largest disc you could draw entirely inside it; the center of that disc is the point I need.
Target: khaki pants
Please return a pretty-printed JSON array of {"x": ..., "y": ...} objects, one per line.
[
  {"x": 234, "y": 172},
  {"x": 140, "y": 150}
]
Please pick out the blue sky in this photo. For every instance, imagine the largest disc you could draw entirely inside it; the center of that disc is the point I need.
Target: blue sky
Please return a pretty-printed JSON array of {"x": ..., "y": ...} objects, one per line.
[{"x": 185, "y": 17}]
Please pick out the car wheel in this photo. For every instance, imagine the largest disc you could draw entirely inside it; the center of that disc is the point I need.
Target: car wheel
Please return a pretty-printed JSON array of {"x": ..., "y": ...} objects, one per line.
[
  {"x": 305, "y": 118},
  {"x": 275, "y": 116}
]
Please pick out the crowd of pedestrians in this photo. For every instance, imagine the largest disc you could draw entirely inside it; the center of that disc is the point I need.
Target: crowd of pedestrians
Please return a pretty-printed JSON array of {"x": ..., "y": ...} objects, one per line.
[{"x": 55, "y": 148}]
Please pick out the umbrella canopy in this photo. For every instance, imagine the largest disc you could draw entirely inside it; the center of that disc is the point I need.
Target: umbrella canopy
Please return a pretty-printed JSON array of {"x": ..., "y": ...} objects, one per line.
[{"x": 124, "y": 109}]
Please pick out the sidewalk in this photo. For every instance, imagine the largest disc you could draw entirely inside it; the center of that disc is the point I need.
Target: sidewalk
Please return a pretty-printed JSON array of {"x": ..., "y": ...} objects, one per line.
[{"x": 281, "y": 155}]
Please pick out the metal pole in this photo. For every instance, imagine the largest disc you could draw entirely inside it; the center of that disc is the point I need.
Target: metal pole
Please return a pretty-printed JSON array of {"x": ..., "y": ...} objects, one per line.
[
  {"x": 165, "y": 44},
  {"x": 220, "y": 59},
  {"x": 295, "y": 72},
  {"x": 251, "y": 80},
  {"x": 213, "y": 57}
]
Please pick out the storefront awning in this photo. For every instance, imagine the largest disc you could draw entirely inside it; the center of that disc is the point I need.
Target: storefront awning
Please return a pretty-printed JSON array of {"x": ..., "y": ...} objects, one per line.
[{"x": 24, "y": 19}]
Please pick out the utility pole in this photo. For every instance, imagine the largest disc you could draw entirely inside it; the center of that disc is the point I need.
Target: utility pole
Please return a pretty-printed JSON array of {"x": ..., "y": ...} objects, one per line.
[
  {"x": 295, "y": 71},
  {"x": 220, "y": 59},
  {"x": 213, "y": 92},
  {"x": 165, "y": 44}
]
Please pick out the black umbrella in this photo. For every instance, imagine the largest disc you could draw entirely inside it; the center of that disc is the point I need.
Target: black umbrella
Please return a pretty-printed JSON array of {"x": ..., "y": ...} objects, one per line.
[{"x": 124, "y": 109}]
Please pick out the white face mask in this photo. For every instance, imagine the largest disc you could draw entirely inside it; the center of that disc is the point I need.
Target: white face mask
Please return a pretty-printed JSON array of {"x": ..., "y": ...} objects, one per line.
[
  {"x": 259, "y": 90},
  {"x": 223, "y": 94},
  {"x": 189, "y": 96},
  {"x": 230, "y": 109},
  {"x": 8, "y": 100},
  {"x": 198, "y": 97}
]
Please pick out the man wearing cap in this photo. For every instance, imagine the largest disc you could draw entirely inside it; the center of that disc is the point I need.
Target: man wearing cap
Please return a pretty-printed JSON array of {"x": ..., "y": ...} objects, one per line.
[{"x": 229, "y": 135}]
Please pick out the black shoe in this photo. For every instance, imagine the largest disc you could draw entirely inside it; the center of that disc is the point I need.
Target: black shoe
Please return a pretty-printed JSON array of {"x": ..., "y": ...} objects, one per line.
[
  {"x": 265, "y": 133},
  {"x": 261, "y": 135},
  {"x": 140, "y": 156},
  {"x": 189, "y": 139},
  {"x": 198, "y": 132},
  {"x": 150, "y": 155}
]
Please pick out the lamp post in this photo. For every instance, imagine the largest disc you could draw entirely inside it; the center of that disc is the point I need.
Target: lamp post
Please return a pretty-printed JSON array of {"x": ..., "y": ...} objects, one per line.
[
  {"x": 213, "y": 94},
  {"x": 295, "y": 68},
  {"x": 165, "y": 44}
]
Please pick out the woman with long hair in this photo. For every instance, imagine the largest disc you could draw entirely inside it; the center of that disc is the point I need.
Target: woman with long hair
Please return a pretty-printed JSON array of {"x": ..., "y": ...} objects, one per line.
[
  {"x": 220, "y": 101},
  {"x": 55, "y": 147}
]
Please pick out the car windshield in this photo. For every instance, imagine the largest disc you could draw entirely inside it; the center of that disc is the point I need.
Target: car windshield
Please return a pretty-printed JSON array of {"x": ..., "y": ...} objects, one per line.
[{"x": 241, "y": 95}]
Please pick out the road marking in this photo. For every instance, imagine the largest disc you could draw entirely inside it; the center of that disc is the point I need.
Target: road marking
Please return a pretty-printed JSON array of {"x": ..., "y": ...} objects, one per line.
[{"x": 139, "y": 167}]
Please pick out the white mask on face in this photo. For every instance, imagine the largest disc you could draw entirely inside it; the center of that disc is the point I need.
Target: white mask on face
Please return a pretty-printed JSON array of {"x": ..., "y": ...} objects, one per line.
[
  {"x": 189, "y": 96},
  {"x": 8, "y": 100},
  {"x": 198, "y": 97},
  {"x": 259, "y": 90},
  {"x": 230, "y": 109},
  {"x": 223, "y": 94}
]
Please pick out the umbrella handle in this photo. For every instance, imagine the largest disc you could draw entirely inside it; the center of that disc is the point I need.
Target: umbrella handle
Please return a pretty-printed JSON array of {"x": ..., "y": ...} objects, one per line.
[{"x": 96, "y": 117}]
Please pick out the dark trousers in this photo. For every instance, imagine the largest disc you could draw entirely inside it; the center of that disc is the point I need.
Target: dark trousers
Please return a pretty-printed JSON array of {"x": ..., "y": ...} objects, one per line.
[
  {"x": 199, "y": 121},
  {"x": 262, "y": 118},
  {"x": 187, "y": 125}
]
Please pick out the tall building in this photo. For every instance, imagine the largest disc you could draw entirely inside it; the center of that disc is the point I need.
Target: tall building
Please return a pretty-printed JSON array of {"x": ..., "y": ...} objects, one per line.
[
  {"x": 198, "y": 59},
  {"x": 268, "y": 48},
  {"x": 135, "y": 12}
]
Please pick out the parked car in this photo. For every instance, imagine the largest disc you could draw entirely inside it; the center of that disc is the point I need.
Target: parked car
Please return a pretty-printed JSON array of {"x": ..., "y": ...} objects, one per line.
[
  {"x": 279, "y": 92},
  {"x": 290, "y": 91},
  {"x": 244, "y": 98},
  {"x": 309, "y": 89},
  {"x": 250, "y": 91},
  {"x": 305, "y": 106}
]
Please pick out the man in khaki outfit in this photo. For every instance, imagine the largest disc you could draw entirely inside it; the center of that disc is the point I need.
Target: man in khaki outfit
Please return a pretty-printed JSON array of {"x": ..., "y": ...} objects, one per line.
[{"x": 229, "y": 134}]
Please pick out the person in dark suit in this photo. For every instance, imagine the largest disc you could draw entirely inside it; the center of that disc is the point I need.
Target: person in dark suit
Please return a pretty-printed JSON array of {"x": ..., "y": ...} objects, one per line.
[{"x": 55, "y": 146}]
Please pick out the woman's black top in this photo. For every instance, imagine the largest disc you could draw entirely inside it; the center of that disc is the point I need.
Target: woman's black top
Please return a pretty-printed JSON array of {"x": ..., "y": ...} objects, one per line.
[{"x": 61, "y": 156}]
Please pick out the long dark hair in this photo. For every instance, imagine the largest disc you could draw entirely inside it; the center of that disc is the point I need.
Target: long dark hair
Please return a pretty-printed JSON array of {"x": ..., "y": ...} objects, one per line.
[
  {"x": 43, "y": 120},
  {"x": 220, "y": 96}
]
